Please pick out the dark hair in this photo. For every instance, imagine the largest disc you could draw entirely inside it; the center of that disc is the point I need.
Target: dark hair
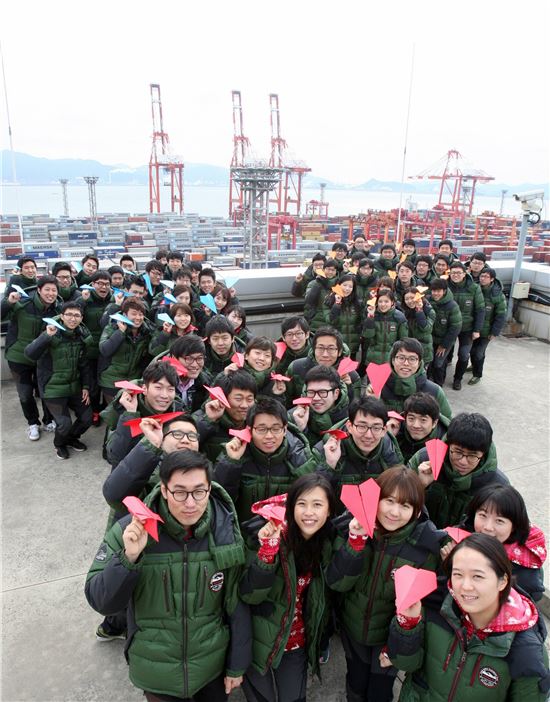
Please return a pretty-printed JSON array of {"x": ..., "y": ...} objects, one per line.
[
  {"x": 61, "y": 266},
  {"x": 410, "y": 312},
  {"x": 441, "y": 257},
  {"x": 220, "y": 288},
  {"x": 45, "y": 279},
  {"x": 457, "y": 264},
  {"x": 179, "y": 289},
  {"x": 183, "y": 272},
  {"x": 154, "y": 266},
  {"x": 70, "y": 305},
  {"x": 439, "y": 284},
  {"x": 386, "y": 282},
  {"x": 330, "y": 263},
  {"x": 239, "y": 310},
  {"x": 262, "y": 343},
  {"x": 491, "y": 271},
  {"x": 25, "y": 259},
  {"x": 174, "y": 255},
  {"x": 328, "y": 331},
  {"x": 318, "y": 257},
  {"x": 385, "y": 292},
  {"x": 366, "y": 262},
  {"x": 291, "y": 322},
  {"x": 493, "y": 551},
  {"x": 90, "y": 257},
  {"x": 407, "y": 344},
  {"x": 478, "y": 256},
  {"x": 176, "y": 307},
  {"x": 161, "y": 253},
  {"x": 406, "y": 264},
  {"x": 507, "y": 502},
  {"x": 368, "y": 405},
  {"x": 237, "y": 380},
  {"x": 207, "y": 273},
  {"x": 100, "y": 275},
  {"x": 327, "y": 373},
  {"x": 186, "y": 345},
  {"x": 183, "y": 417},
  {"x": 157, "y": 370},
  {"x": 134, "y": 280},
  {"x": 115, "y": 269},
  {"x": 126, "y": 257},
  {"x": 359, "y": 236},
  {"x": 194, "y": 266},
  {"x": 339, "y": 246},
  {"x": 444, "y": 242},
  {"x": 308, "y": 552},
  {"x": 405, "y": 484},
  {"x": 266, "y": 405},
  {"x": 357, "y": 256},
  {"x": 184, "y": 461},
  {"x": 387, "y": 246},
  {"x": 421, "y": 403},
  {"x": 132, "y": 303},
  {"x": 409, "y": 242},
  {"x": 470, "y": 431},
  {"x": 218, "y": 325},
  {"x": 425, "y": 259}
]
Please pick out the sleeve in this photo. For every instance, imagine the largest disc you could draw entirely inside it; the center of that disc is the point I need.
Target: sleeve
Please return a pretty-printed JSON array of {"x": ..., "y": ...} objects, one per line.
[
  {"x": 227, "y": 473},
  {"x": 38, "y": 347},
  {"x": 205, "y": 427},
  {"x": 257, "y": 580},
  {"x": 369, "y": 328},
  {"x": 313, "y": 295},
  {"x": 406, "y": 646},
  {"x": 159, "y": 343},
  {"x": 110, "y": 342},
  {"x": 112, "y": 578},
  {"x": 479, "y": 309},
  {"x": 111, "y": 308},
  {"x": 84, "y": 365},
  {"x": 6, "y": 308},
  {"x": 443, "y": 402},
  {"x": 299, "y": 287},
  {"x": 345, "y": 567},
  {"x": 239, "y": 653},
  {"x": 131, "y": 475},
  {"x": 453, "y": 328},
  {"x": 334, "y": 315},
  {"x": 120, "y": 441},
  {"x": 500, "y": 316}
]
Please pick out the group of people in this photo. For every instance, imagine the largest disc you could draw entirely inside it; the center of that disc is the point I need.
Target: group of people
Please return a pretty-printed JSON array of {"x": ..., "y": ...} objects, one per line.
[{"x": 241, "y": 562}]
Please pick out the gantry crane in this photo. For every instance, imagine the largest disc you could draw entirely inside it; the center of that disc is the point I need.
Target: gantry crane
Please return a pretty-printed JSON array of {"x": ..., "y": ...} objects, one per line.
[{"x": 241, "y": 146}]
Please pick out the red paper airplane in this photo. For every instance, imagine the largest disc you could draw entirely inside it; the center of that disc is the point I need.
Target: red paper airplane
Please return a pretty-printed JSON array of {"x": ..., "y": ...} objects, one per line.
[
  {"x": 362, "y": 502},
  {"x": 378, "y": 374},
  {"x": 242, "y": 434},
  {"x": 238, "y": 358},
  {"x": 411, "y": 585},
  {"x": 281, "y": 348},
  {"x": 139, "y": 510},
  {"x": 180, "y": 368},
  {"x": 278, "y": 376},
  {"x": 302, "y": 401},
  {"x": 132, "y": 388},
  {"x": 135, "y": 429},
  {"x": 337, "y": 433},
  {"x": 395, "y": 415},
  {"x": 347, "y": 365},
  {"x": 273, "y": 509},
  {"x": 457, "y": 534},
  {"x": 437, "y": 450},
  {"x": 218, "y": 394}
]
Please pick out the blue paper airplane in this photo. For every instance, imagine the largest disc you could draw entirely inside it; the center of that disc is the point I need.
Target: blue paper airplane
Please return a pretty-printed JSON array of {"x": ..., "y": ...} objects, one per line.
[
  {"x": 87, "y": 287},
  {"x": 148, "y": 285},
  {"x": 169, "y": 297},
  {"x": 77, "y": 266},
  {"x": 165, "y": 318},
  {"x": 54, "y": 322},
  {"x": 231, "y": 282},
  {"x": 209, "y": 302},
  {"x": 126, "y": 293},
  {"x": 119, "y": 317},
  {"x": 19, "y": 289},
  {"x": 168, "y": 284}
]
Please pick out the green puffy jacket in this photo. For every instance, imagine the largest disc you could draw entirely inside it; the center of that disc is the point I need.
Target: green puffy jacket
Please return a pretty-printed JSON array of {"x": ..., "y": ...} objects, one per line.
[
  {"x": 26, "y": 323},
  {"x": 380, "y": 333},
  {"x": 62, "y": 362},
  {"x": 290, "y": 355},
  {"x": 258, "y": 475},
  {"x": 123, "y": 355},
  {"x": 270, "y": 590},
  {"x": 448, "y": 497},
  {"x": 469, "y": 298},
  {"x": 298, "y": 369},
  {"x": 161, "y": 342},
  {"x": 383, "y": 265},
  {"x": 315, "y": 310},
  {"x": 397, "y": 390},
  {"x": 366, "y": 577},
  {"x": 410, "y": 446},
  {"x": 213, "y": 435},
  {"x": 364, "y": 284},
  {"x": 22, "y": 280},
  {"x": 186, "y": 625},
  {"x": 346, "y": 318},
  {"x": 448, "y": 320},
  {"x": 420, "y": 323},
  {"x": 443, "y": 665},
  {"x": 495, "y": 309},
  {"x": 321, "y": 422},
  {"x": 93, "y": 309}
]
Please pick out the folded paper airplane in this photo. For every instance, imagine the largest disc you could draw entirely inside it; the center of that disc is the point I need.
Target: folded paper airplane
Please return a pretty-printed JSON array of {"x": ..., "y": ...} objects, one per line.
[{"x": 140, "y": 510}]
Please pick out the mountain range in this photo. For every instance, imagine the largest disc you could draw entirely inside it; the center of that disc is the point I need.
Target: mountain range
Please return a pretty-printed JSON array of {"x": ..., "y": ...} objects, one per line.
[{"x": 33, "y": 170}]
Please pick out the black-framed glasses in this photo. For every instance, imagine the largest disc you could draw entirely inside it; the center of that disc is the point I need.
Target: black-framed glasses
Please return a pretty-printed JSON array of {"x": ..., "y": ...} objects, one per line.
[
  {"x": 375, "y": 430},
  {"x": 327, "y": 349},
  {"x": 72, "y": 315},
  {"x": 276, "y": 430},
  {"x": 181, "y": 495},
  {"x": 409, "y": 360},
  {"x": 179, "y": 434},
  {"x": 323, "y": 394},
  {"x": 193, "y": 360},
  {"x": 471, "y": 458},
  {"x": 294, "y": 335}
]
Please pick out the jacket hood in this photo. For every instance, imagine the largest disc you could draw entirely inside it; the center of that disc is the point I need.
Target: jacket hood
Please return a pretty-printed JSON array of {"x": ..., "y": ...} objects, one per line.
[{"x": 532, "y": 553}]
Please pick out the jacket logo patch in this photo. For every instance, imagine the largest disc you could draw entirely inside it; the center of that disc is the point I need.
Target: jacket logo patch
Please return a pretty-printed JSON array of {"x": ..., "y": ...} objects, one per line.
[
  {"x": 101, "y": 555},
  {"x": 488, "y": 677},
  {"x": 443, "y": 320},
  {"x": 467, "y": 303},
  {"x": 393, "y": 327},
  {"x": 216, "y": 582}
]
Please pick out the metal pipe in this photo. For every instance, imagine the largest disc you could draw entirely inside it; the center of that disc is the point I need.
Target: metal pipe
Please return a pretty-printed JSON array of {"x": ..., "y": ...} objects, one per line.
[{"x": 519, "y": 261}]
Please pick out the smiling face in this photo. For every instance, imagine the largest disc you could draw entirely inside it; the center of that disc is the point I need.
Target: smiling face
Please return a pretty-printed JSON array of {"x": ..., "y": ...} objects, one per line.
[
  {"x": 207, "y": 284},
  {"x": 438, "y": 294},
  {"x": 235, "y": 318},
  {"x": 155, "y": 276},
  {"x": 182, "y": 320},
  {"x": 384, "y": 303},
  {"x": 174, "y": 264},
  {"x": 419, "y": 426},
  {"x": 220, "y": 300},
  {"x": 462, "y": 460},
  {"x": 89, "y": 267},
  {"x": 326, "y": 350},
  {"x": 311, "y": 511},
  {"x": 404, "y": 274},
  {"x": 392, "y": 514},
  {"x": 296, "y": 338},
  {"x": 240, "y": 402},
  {"x": 488, "y": 521},
  {"x": 315, "y": 389},
  {"x": 387, "y": 253},
  {"x": 366, "y": 431},
  {"x": 180, "y": 435},
  {"x": 347, "y": 287},
  {"x": 258, "y": 359},
  {"x": 137, "y": 290},
  {"x": 410, "y": 301},
  {"x": 28, "y": 269},
  {"x": 48, "y": 293},
  {"x": 405, "y": 363},
  {"x": 440, "y": 266},
  {"x": 221, "y": 342},
  {"x": 71, "y": 317},
  {"x": 64, "y": 278},
  {"x": 457, "y": 275},
  {"x": 117, "y": 279},
  {"x": 408, "y": 249},
  {"x": 159, "y": 394},
  {"x": 476, "y": 265},
  {"x": 268, "y": 432},
  {"x": 102, "y": 287},
  {"x": 135, "y": 316}
]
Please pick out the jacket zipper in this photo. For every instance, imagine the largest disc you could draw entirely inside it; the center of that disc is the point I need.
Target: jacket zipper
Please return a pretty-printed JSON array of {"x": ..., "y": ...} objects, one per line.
[
  {"x": 165, "y": 587},
  {"x": 203, "y": 588},
  {"x": 457, "y": 675},
  {"x": 185, "y": 625},
  {"x": 268, "y": 481},
  {"x": 373, "y": 587},
  {"x": 284, "y": 566}
]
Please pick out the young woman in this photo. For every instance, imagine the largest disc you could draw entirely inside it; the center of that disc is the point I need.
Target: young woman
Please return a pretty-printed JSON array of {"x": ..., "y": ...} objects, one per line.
[
  {"x": 499, "y": 511},
  {"x": 237, "y": 316},
  {"x": 383, "y": 326},
  {"x": 486, "y": 643},
  {"x": 366, "y": 280},
  {"x": 420, "y": 317},
  {"x": 285, "y": 587},
  {"x": 345, "y": 312},
  {"x": 222, "y": 298},
  {"x": 163, "y": 338},
  {"x": 362, "y": 570}
]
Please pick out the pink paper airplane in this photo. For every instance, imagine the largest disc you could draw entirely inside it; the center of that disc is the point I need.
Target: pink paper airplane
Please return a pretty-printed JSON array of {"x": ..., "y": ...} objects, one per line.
[
  {"x": 132, "y": 388},
  {"x": 378, "y": 374},
  {"x": 437, "y": 451},
  {"x": 302, "y": 401},
  {"x": 218, "y": 394},
  {"x": 281, "y": 348},
  {"x": 180, "y": 368},
  {"x": 278, "y": 376},
  {"x": 135, "y": 429},
  {"x": 395, "y": 415},
  {"x": 457, "y": 534},
  {"x": 362, "y": 502},
  {"x": 336, "y": 433},
  {"x": 242, "y": 434},
  {"x": 238, "y": 358},
  {"x": 411, "y": 585},
  {"x": 139, "y": 510},
  {"x": 347, "y": 365}
]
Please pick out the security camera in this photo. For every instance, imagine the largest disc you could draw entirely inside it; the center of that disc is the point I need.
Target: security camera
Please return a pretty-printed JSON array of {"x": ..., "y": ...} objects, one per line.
[
  {"x": 532, "y": 202},
  {"x": 529, "y": 196}
]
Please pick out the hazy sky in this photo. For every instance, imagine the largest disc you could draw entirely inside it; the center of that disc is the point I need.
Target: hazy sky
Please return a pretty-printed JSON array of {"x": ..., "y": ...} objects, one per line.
[{"x": 78, "y": 76}]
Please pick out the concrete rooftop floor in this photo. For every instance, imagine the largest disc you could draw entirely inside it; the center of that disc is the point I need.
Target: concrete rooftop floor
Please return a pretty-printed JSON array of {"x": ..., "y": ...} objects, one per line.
[{"x": 53, "y": 519}]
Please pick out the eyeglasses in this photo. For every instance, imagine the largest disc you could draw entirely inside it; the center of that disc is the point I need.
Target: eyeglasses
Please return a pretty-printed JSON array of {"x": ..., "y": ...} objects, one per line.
[
  {"x": 410, "y": 360},
  {"x": 63, "y": 277},
  {"x": 102, "y": 283},
  {"x": 471, "y": 458},
  {"x": 72, "y": 315},
  {"x": 193, "y": 360},
  {"x": 327, "y": 349},
  {"x": 276, "y": 430},
  {"x": 323, "y": 394},
  {"x": 294, "y": 335},
  {"x": 182, "y": 495},
  {"x": 179, "y": 434},
  {"x": 375, "y": 430}
]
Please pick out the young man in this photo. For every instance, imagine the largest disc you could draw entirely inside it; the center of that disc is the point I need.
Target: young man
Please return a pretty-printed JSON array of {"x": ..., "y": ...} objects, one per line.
[
  {"x": 446, "y": 328},
  {"x": 329, "y": 404},
  {"x": 66, "y": 286},
  {"x": 25, "y": 324},
  {"x": 191, "y": 353},
  {"x": 315, "y": 311},
  {"x": 441, "y": 265},
  {"x": 423, "y": 270},
  {"x": 24, "y": 277},
  {"x": 214, "y": 419},
  {"x": 470, "y": 463},
  {"x": 155, "y": 271},
  {"x": 362, "y": 246},
  {"x": 174, "y": 261},
  {"x": 90, "y": 264},
  {"x": 495, "y": 317},
  {"x": 128, "y": 263},
  {"x": 409, "y": 249},
  {"x": 339, "y": 253},
  {"x": 302, "y": 280},
  {"x": 387, "y": 261},
  {"x": 423, "y": 421},
  {"x": 207, "y": 281},
  {"x": 189, "y": 635},
  {"x": 63, "y": 377},
  {"x": 161, "y": 255},
  {"x": 269, "y": 464},
  {"x": 405, "y": 279},
  {"x": 117, "y": 276},
  {"x": 368, "y": 450},
  {"x": 135, "y": 286},
  {"x": 476, "y": 264},
  {"x": 220, "y": 344},
  {"x": 295, "y": 334},
  {"x": 366, "y": 280},
  {"x": 469, "y": 298},
  {"x": 445, "y": 247}
]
